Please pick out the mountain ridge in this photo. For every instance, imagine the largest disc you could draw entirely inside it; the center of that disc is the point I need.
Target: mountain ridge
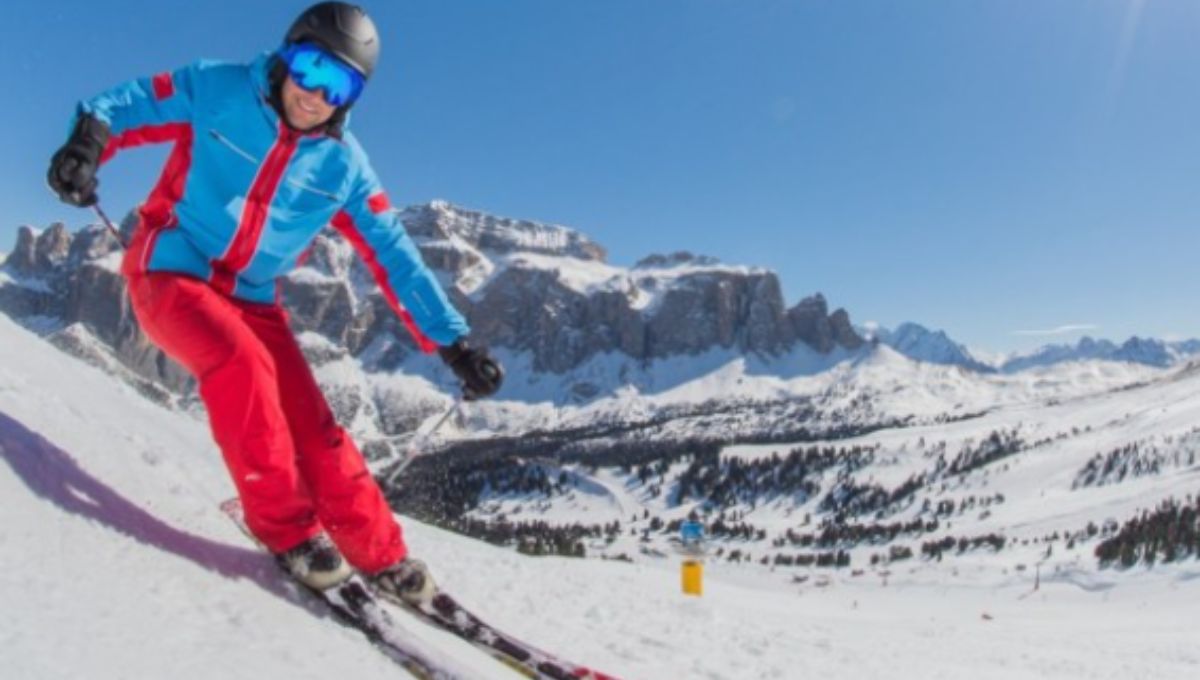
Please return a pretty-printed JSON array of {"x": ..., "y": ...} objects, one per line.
[
  {"x": 920, "y": 343},
  {"x": 704, "y": 344}
]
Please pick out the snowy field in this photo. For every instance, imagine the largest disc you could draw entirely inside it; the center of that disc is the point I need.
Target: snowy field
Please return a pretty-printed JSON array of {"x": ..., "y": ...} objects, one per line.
[{"x": 117, "y": 564}]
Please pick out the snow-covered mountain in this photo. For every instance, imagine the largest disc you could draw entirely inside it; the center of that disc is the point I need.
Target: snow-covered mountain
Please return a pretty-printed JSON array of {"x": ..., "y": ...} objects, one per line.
[
  {"x": 917, "y": 342},
  {"x": 118, "y": 565},
  {"x": 1147, "y": 351},
  {"x": 543, "y": 291},
  {"x": 678, "y": 345}
]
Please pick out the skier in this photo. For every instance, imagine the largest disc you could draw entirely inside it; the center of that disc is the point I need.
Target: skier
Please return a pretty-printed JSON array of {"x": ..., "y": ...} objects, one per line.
[{"x": 261, "y": 162}]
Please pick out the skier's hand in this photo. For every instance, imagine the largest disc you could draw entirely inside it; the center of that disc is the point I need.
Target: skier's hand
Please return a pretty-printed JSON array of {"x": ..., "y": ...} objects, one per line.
[
  {"x": 480, "y": 373},
  {"x": 73, "y": 168}
]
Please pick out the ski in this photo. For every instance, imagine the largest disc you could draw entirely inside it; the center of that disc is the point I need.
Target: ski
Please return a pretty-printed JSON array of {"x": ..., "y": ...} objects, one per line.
[
  {"x": 355, "y": 604},
  {"x": 446, "y": 612}
]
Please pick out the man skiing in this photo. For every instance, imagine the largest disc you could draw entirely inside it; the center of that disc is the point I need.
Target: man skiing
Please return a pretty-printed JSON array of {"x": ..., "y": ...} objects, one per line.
[{"x": 261, "y": 162}]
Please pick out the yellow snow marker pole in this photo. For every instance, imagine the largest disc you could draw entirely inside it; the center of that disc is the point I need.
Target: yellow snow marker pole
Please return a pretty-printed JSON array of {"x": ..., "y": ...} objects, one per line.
[{"x": 693, "y": 577}]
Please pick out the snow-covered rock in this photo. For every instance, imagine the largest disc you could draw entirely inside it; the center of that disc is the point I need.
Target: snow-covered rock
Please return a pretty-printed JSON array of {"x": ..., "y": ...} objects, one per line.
[{"x": 917, "y": 342}]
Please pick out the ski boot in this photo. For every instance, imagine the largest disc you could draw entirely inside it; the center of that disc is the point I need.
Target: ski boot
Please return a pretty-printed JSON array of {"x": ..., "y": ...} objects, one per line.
[
  {"x": 408, "y": 581},
  {"x": 316, "y": 563}
]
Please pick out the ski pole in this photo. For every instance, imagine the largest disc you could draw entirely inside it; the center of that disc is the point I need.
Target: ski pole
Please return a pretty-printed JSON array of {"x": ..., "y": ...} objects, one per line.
[
  {"x": 108, "y": 223},
  {"x": 413, "y": 452}
]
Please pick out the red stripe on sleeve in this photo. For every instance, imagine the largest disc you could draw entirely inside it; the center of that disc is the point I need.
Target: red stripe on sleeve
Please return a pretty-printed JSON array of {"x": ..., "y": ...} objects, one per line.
[
  {"x": 163, "y": 85},
  {"x": 159, "y": 209},
  {"x": 378, "y": 202},
  {"x": 345, "y": 225},
  {"x": 147, "y": 134}
]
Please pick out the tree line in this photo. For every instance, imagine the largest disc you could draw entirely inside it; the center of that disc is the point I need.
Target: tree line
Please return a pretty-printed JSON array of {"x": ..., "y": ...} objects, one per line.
[{"x": 1169, "y": 533}]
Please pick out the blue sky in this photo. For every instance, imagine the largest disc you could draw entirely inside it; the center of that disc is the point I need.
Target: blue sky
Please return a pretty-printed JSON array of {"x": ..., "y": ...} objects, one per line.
[{"x": 994, "y": 168}]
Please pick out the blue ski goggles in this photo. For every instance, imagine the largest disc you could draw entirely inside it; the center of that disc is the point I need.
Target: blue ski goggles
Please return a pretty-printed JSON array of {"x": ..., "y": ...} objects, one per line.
[{"x": 312, "y": 68}]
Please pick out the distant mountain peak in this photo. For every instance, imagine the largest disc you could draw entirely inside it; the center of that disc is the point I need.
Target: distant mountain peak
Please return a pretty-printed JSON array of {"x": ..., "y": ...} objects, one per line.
[
  {"x": 1138, "y": 350},
  {"x": 440, "y": 220},
  {"x": 918, "y": 342}
]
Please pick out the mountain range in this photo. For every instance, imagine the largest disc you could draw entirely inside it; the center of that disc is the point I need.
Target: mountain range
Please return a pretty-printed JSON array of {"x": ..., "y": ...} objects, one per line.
[
  {"x": 917, "y": 342},
  {"x": 677, "y": 344},
  {"x": 536, "y": 289}
]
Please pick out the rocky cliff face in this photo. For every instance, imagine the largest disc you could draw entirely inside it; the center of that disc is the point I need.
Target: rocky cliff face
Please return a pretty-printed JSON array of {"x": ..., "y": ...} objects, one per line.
[
  {"x": 546, "y": 290},
  {"x": 67, "y": 286},
  {"x": 440, "y": 220},
  {"x": 533, "y": 309},
  {"x": 814, "y": 325},
  {"x": 532, "y": 288}
]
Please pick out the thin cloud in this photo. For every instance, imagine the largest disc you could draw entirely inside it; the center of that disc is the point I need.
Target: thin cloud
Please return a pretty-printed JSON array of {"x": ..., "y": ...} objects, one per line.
[
  {"x": 1061, "y": 330},
  {"x": 1125, "y": 46}
]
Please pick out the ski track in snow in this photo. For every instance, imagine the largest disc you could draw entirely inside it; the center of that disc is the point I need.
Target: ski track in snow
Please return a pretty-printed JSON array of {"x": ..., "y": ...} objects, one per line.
[{"x": 117, "y": 564}]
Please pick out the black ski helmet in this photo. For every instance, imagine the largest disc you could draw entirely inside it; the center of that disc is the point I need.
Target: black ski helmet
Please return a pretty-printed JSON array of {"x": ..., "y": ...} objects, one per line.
[{"x": 341, "y": 28}]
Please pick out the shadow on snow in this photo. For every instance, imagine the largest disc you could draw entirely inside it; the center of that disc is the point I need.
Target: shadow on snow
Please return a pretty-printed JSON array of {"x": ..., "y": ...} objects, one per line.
[{"x": 54, "y": 475}]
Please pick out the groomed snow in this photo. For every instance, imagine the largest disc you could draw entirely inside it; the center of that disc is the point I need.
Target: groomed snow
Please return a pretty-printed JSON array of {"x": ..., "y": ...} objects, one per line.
[{"x": 116, "y": 564}]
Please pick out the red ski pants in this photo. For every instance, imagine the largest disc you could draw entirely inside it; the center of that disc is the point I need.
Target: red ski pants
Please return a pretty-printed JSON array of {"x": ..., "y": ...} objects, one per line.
[{"x": 295, "y": 468}]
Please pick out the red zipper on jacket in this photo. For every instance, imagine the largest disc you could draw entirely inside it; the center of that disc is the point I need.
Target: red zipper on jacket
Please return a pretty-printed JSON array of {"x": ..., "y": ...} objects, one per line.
[{"x": 255, "y": 212}]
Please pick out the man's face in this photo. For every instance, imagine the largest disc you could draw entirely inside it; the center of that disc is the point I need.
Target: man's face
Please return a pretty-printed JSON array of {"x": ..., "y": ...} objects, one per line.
[{"x": 304, "y": 110}]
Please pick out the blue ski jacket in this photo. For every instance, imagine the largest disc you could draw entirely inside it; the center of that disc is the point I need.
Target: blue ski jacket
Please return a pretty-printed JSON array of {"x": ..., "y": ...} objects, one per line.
[{"x": 242, "y": 195}]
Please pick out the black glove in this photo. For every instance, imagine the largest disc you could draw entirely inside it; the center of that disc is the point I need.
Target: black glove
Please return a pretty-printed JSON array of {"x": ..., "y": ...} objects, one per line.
[
  {"x": 73, "y": 168},
  {"x": 480, "y": 373}
]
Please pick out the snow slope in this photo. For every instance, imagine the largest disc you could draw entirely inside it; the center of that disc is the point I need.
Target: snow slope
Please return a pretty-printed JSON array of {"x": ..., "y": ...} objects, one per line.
[
  {"x": 116, "y": 564},
  {"x": 113, "y": 550}
]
